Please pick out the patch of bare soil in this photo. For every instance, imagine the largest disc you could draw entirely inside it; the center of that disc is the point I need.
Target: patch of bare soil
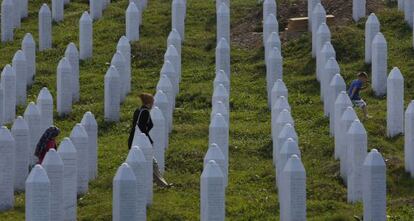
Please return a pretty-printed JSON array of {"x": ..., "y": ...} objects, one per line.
[{"x": 247, "y": 33}]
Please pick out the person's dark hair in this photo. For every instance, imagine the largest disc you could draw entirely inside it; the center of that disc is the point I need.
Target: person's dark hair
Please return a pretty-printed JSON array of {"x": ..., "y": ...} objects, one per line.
[
  {"x": 50, "y": 133},
  {"x": 147, "y": 99},
  {"x": 362, "y": 75}
]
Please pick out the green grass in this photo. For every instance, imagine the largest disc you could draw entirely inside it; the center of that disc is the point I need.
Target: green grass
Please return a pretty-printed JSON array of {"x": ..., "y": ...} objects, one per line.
[{"x": 251, "y": 194}]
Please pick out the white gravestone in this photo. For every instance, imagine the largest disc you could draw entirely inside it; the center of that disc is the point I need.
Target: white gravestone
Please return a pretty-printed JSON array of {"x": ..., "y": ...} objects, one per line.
[
  {"x": 323, "y": 35},
  {"x": 280, "y": 105},
  {"x": 140, "y": 8},
  {"x": 288, "y": 131},
  {"x": 220, "y": 108},
  {"x": 45, "y": 107},
  {"x": 7, "y": 20},
  {"x": 29, "y": 50},
  {"x": 91, "y": 128},
  {"x": 271, "y": 42},
  {"x": 326, "y": 52},
  {"x": 80, "y": 140},
  {"x": 223, "y": 22},
  {"x": 118, "y": 61},
  {"x": 32, "y": 117},
  {"x": 395, "y": 103},
  {"x": 45, "y": 28},
  {"x": 67, "y": 153},
  {"x": 57, "y": 10},
  {"x": 7, "y": 165},
  {"x": 279, "y": 89},
  {"x": 125, "y": 195},
  {"x": 342, "y": 102},
  {"x": 331, "y": 68},
  {"x": 318, "y": 17},
  {"x": 289, "y": 148},
  {"x": 53, "y": 165},
  {"x": 24, "y": 8},
  {"x": 409, "y": 139},
  {"x": 311, "y": 6},
  {"x": 158, "y": 134},
  {"x": 348, "y": 117},
  {"x": 175, "y": 39},
  {"x": 64, "y": 87},
  {"x": 219, "y": 134},
  {"x": 293, "y": 201},
  {"x": 161, "y": 101},
  {"x": 220, "y": 94},
  {"x": 223, "y": 57},
  {"x": 136, "y": 160},
  {"x": 37, "y": 195},
  {"x": 214, "y": 153},
  {"x": 1, "y": 102},
  {"x": 358, "y": 9},
  {"x": 72, "y": 55},
  {"x": 20, "y": 70},
  {"x": 269, "y": 7},
  {"x": 178, "y": 9},
  {"x": 172, "y": 55},
  {"x": 124, "y": 48},
  {"x": 132, "y": 21},
  {"x": 274, "y": 70},
  {"x": 16, "y": 14},
  {"x": 95, "y": 8},
  {"x": 169, "y": 70},
  {"x": 221, "y": 78},
  {"x": 408, "y": 12},
  {"x": 336, "y": 86},
  {"x": 85, "y": 36},
  {"x": 379, "y": 65},
  {"x": 112, "y": 95},
  {"x": 20, "y": 132},
  {"x": 356, "y": 152},
  {"x": 284, "y": 117},
  {"x": 372, "y": 27},
  {"x": 212, "y": 193},
  {"x": 8, "y": 84},
  {"x": 164, "y": 84},
  {"x": 270, "y": 25},
  {"x": 374, "y": 189},
  {"x": 142, "y": 141}
]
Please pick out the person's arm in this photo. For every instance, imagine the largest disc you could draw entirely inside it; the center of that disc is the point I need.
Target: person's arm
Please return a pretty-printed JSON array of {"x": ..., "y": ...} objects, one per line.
[{"x": 143, "y": 121}]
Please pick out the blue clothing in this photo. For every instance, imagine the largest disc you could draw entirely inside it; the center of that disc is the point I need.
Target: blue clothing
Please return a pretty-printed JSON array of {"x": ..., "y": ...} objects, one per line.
[{"x": 356, "y": 84}]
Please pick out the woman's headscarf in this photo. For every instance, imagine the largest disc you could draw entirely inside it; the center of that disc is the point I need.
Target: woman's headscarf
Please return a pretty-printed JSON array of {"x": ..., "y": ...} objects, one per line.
[{"x": 50, "y": 133}]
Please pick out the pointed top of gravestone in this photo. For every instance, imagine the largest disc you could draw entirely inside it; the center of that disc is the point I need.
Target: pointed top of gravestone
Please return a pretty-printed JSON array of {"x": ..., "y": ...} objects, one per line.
[
  {"x": 78, "y": 131},
  {"x": 219, "y": 107},
  {"x": 323, "y": 29},
  {"x": 281, "y": 103},
  {"x": 167, "y": 67},
  {"x": 44, "y": 9},
  {"x": 5, "y": 134},
  {"x": 28, "y": 39},
  {"x": 270, "y": 20},
  {"x": 71, "y": 49},
  {"x": 319, "y": 9},
  {"x": 124, "y": 173},
  {"x": 357, "y": 128},
  {"x": 156, "y": 114},
  {"x": 273, "y": 38},
  {"x": 294, "y": 164},
  {"x": 135, "y": 154},
  {"x": 7, "y": 71},
  {"x": 395, "y": 74},
  {"x": 20, "y": 124},
  {"x": 372, "y": 19},
  {"x": 164, "y": 82},
  {"x": 52, "y": 158},
  {"x": 343, "y": 98},
  {"x": 374, "y": 158},
  {"x": 284, "y": 117},
  {"x": 123, "y": 42},
  {"x": 337, "y": 80},
  {"x": 220, "y": 91},
  {"x": 328, "y": 48},
  {"x": 44, "y": 94},
  {"x": 112, "y": 72},
  {"x": 223, "y": 9},
  {"x": 86, "y": 18},
  {"x": 349, "y": 114},
  {"x": 221, "y": 76},
  {"x": 132, "y": 7},
  {"x": 38, "y": 175},
  {"x": 19, "y": 56},
  {"x": 171, "y": 51},
  {"x": 174, "y": 35},
  {"x": 275, "y": 53},
  {"x": 89, "y": 119},
  {"x": 279, "y": 87},
  {"x": 66, "y": 146},
  {"x": 288, "y": 131},
  {"x": 290, "y": 147},
  {"x": 31, "y": 110},
  {"x": 223, "y": 44},
  {"x": 332, "y": 64},
  {"x": 379, "y": 39},
  {"x": 160, "y": 97},
  {"x": 410, "y": 108},
  {"x": 7, "y": 3},
  {"x": 118, "y": 57},
  {"x": 218, "y": 121},
  {"x": 64, "y": 64},
  {"x": 212, "y": 169},
  {"x": 214, "y": 153},
  {"x": 141, "y": 140}
]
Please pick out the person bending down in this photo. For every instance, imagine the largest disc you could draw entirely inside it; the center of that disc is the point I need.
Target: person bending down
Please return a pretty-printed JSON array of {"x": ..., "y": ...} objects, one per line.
[
  {"x": 356, "y": 86},
  {"x": 46, "y": 142}
]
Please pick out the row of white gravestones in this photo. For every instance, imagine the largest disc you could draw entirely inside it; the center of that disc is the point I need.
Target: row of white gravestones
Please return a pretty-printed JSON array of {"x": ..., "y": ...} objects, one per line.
[
  {"x": 219, "y": 135},
  {"x": 214, "y": 153},
  {"x": 336, "y": 86},
  {"x": 284, "y": 117},
  {"x": 348, "y": 117},
  {"x": 280, "y": 105},
  {"x": 342, "y": 102},
  {"x": 269, "y": 7},
  {"x": 379, "y": 65},
  {"x": 136, "y": 160},
  {"x": 159, "y": 134},
  {"x": 358, "y": 9},
  {"x": 223, "y": 22},
  {"x": 279, "y": 89},
  {"x": 326, "y": 52},
  {"x": 212, "y": 192},
  {"x": 272, "y": 41},
  {"x": 395, "y": 103},
  {"x": 331, "y": 69},
  {"x": 318, "y": 17},
  {"x": 7, "y": 173},
  {"x": 11, "y": 14},
  {"x": 270, "y": 25},
  {"x": 323, "y": 35},
  {"x": 288, "y": 132}
]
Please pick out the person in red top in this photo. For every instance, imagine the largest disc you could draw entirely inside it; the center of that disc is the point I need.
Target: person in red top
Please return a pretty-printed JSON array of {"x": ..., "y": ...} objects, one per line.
[{"x": 46, "y": 142}]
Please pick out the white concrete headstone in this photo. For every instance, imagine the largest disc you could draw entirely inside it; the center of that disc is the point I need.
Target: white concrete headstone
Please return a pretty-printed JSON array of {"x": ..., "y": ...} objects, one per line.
[
  {"x": 223, "y": 57},
  {"x": 214, "y": 153},
  {"x": 7, "y": 20},
  {"x": 165, "y": 85},
  {"x": 57, "y": 10},
  {"x": 45, "y": 107},
  {"x": 219, "y": 134},
  {"x": 45, "y": 28},
  {"x": 283, "y": 118},
  {"x": 20, "y": 70},
  {"x": 95, "y": 8},
  {"x": 348, "y": 117},
  {"x": 331, "y": 68},
  {"x": 29, "y": 50},
  {"x": 395, "y": 103},
  {"x": 221, "y": 78},
  {"x": 169, "y": 70},
  {"x": 311, "y": 6},
  {"x": 220, "y": 94},
  {"x": 379, "y": 65},
  {"x": 178, "y": 9},
  {"x": 7, "y": 165},
  {"x": 409, "y": 139},
  {"x": 269, "y": 7},
  {"x": 37, "y": 195},
  {"x": 91, "y": 128},
  {"x": 132, "y": 21},
  {"x": 124, "y": 48},
  {"x": 220, "y": 108},
  {"x": 212, "y": 193},
  {"x": 64, "y": 87},
  {"x": 161, "y": 101},
  {"x": 323, "y": 35},
  {"x": 272, "y": 41},
  {"x": 118, "y": 61},
  {"x": 158, "y": 134},
  {"x": 274, "y": 70},
  {"x": 358, "y": 9},
  {"x": 175, "y": 39},
  {"x": 223, "y": 22},
  {"x": 16, "y": 14},
  {"x": 289, "y": 148},
  {"x": 279, "y": 89},
  {"x": 8, "y": 84},
  {"x": 325, "y": 53},
  {"x": 32, "y": 117},
  {"x": 20, "y": 132},
  {"x": 270, "y": 25},
  {"x": 342, "y": 102},
  {"x": 288, "y": 131},
  {"x": 72, "y": 54},
  {"x": 318, "y": 17},
  {"x": 80, "y": 140},
  {"x": 112, "y": 95},
  {"x": 85, "y": 36},
  {"x": 172, "y": 55},
  {"x": 336, "y": 86},
  {"x": 125, "y": 195}
]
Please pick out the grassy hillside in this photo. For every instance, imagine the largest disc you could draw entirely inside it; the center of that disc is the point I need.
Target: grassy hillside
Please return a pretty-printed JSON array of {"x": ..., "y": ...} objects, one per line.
[{"x": 251, "y": 193}]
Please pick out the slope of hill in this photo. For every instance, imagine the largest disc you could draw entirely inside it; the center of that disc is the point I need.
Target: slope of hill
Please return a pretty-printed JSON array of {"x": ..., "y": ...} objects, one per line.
[{"x": 251, "y": 194}]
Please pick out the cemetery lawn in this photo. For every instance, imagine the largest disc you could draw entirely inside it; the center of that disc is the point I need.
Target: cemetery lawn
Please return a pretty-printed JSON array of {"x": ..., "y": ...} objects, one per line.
[{"x": 251, "y": 194}]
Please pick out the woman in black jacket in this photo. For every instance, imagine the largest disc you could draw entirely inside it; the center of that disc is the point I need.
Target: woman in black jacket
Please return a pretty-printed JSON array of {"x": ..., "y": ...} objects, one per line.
[{"x": 142, "y": 119}]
